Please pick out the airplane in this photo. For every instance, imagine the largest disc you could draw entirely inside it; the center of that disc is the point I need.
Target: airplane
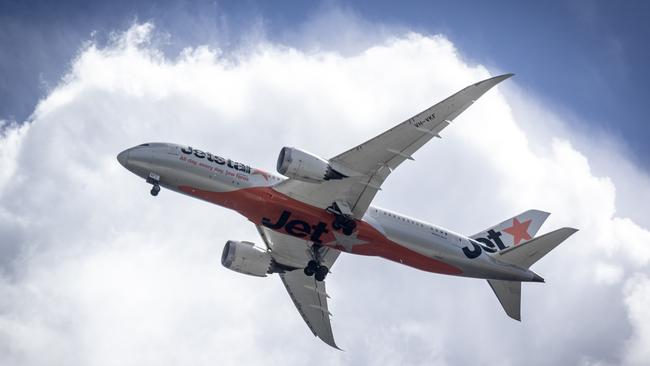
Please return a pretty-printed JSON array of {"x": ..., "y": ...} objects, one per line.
[{"x": 318, "y": 208}]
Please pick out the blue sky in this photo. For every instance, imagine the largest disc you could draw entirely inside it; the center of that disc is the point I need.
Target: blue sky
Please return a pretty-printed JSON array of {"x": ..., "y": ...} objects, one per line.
[{"x": 586, "y": 57}]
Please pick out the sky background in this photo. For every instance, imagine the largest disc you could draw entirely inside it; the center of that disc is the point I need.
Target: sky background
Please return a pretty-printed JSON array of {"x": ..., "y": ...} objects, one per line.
[
  {"x": 94, "y": 271},
  {"x": 588, "y": 57}
]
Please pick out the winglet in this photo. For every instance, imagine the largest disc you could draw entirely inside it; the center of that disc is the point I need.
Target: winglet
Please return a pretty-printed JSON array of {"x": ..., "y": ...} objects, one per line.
[
  {"x": 502, "y": 77},
  {"x": 493, "y": 81}
]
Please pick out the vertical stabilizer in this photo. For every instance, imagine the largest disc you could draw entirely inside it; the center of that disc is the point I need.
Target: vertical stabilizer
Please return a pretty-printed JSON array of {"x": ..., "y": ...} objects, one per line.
[{"x": 513, "y": 231}]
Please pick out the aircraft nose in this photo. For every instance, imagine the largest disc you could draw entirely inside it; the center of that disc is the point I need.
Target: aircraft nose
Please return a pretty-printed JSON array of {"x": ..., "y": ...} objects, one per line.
[{"x": 123, "y": 158}]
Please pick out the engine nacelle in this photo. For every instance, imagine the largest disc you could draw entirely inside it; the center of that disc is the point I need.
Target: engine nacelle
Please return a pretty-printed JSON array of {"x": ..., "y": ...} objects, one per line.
[
  {"x": 244, "y": 257},
  {"x": 297, "y": 164}
]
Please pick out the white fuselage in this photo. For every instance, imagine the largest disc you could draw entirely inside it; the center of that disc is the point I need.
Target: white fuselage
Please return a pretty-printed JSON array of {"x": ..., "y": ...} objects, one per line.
[{"x": 250, "y": 191}]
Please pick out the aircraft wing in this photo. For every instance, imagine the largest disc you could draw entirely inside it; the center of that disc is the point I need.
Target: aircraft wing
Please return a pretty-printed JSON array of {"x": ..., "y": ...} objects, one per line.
[
  {"x": 369, "y": 164},
  {"x": 310, "y": 299},
  {"x": 309, "y": 295}
]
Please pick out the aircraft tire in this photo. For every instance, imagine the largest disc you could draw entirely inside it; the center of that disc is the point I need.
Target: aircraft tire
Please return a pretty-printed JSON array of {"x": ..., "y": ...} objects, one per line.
[
  {"x": 321, "y": 273},
  {"x": 308, "y": 271},
  {"x": 155, "y": 190},
  {"x": 312, "y": 267}
]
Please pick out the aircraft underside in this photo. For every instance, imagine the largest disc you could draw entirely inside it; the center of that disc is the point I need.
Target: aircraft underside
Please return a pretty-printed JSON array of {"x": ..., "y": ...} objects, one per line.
[
  {"x": 264, "y": 206},
  {"x": 320, "y": 208}
]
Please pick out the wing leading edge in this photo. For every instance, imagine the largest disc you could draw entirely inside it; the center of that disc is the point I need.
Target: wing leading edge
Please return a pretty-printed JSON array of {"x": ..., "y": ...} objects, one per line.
[{"x": 369, "y": 164}]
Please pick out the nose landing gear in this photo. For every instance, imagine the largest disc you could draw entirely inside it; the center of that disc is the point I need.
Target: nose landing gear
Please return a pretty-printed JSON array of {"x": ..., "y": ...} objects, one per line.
[{"x": 154, "y": 179}]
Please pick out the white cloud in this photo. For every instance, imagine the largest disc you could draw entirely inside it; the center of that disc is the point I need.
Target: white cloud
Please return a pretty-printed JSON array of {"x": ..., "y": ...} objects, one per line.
[
  {"x": 95, "y": 271},
  {"x": 607, "y": 273},
  {"x": 637, "y": 299}
]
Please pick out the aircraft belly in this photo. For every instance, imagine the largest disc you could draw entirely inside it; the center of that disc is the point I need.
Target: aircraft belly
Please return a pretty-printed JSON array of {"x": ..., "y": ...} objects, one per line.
[{"x": 271, "y": 209}]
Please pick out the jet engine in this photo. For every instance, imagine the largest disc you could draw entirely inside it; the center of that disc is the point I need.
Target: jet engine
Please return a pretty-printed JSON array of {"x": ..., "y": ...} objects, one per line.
[
  {"x": 301, "y": 165},
  {"x": 244, "y": 257}
]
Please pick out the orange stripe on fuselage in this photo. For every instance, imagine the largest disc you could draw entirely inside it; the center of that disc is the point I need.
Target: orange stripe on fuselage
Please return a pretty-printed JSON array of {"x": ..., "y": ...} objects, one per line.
[{"x": 257, "y": 203}]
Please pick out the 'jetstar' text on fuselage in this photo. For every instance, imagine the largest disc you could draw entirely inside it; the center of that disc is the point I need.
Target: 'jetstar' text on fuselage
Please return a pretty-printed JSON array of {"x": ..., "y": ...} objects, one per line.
[{"x": 216, "y": 159}]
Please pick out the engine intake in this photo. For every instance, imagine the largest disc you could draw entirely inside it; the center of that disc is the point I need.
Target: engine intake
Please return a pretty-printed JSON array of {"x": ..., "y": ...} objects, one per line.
[
  {"x": 244, "y": 257},
  {"x": 301, "y": 165}
]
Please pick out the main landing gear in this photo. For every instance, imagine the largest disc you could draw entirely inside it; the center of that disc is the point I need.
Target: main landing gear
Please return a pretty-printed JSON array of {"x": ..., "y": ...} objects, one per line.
[
  {"x": 343, "y": 221},
  {"x": 155, "y": 180},
  {"x": 343, "y": 217},
  {"x": 318, "y": 271},
  {"x": 314, "y": 268}
]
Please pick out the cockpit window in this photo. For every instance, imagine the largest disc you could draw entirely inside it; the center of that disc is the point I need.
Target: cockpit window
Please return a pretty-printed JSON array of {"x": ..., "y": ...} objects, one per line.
[{"x": 144, "y": 145}]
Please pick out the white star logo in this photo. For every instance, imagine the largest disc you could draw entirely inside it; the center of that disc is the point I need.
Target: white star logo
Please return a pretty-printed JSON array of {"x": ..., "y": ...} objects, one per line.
[{"x": 347, "y": 241}]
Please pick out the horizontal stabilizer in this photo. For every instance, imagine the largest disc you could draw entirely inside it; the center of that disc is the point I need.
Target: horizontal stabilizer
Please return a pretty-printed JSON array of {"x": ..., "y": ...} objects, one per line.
[
  {"x": 526, "y": 254},
  {"x": 509, "y": 295}
]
